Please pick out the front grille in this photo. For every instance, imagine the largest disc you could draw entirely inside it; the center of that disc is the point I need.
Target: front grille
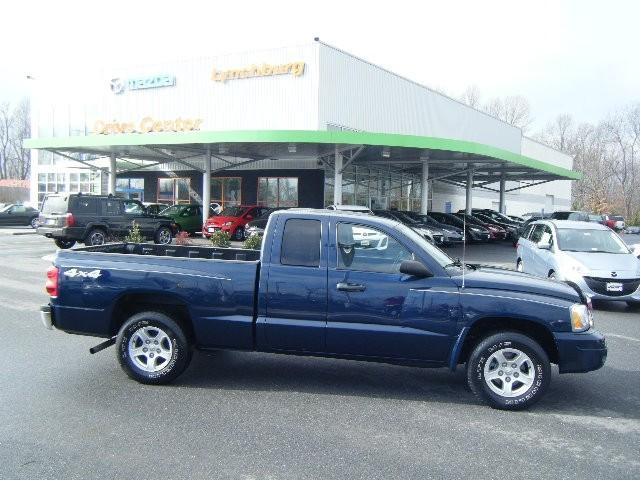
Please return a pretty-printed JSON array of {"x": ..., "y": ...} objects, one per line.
[{"x": 599, "y": 285}]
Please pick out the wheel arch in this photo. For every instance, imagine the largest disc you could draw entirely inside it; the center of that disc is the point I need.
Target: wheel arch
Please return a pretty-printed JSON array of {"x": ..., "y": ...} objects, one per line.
[
  {"x": 93, "y": 226},
  {"x": 129, "y": 304},
  {"x": 486, "y": 326}
]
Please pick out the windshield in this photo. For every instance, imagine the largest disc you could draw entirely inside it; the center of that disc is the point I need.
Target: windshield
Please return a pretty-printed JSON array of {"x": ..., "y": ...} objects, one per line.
[
  {"x": 172, "y": 210},
  {"x": 406, "y": 218},
  {"x": 5, "y": 208},
  {"x": 595, "y": 241},
  {"x": 233, "y": 211},
  {"x": 54, "y": 205}
]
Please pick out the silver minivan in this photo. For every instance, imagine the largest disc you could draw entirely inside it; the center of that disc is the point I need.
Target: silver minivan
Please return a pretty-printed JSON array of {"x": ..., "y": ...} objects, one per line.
[{"x": 587, "y": 254}]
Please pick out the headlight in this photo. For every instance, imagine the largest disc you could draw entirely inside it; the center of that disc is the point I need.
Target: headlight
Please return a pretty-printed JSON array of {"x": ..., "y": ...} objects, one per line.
[
  {"x": 227, "y": 224},
  {"x": 581, "y": 318}
]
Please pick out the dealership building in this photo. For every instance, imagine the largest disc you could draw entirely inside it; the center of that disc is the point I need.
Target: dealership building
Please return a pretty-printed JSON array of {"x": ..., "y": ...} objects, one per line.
[{"x": 305, "y": 126}]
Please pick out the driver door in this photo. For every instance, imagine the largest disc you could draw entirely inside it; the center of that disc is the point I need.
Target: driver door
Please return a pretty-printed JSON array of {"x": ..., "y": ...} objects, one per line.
[{"x": 376, "y": 311}]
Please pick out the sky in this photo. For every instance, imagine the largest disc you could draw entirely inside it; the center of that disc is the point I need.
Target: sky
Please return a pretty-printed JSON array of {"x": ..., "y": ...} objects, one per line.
[{"x": 577, "y": 57}]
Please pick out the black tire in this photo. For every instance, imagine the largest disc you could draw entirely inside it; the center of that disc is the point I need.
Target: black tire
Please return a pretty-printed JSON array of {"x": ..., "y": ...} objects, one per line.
[
  {"x": 496, "y": 343},
  {"x": 238, "y": 235},
  {"x": 64, "y": 244},
  {"x": 163, "y": 235},
  {"x": 34, "y": 222},
  {"x": 520, "y": 265},
  {"x": 96, "y": 236},
  {"x": 633, "y": 305},
  {"x": 168, "y": 369},
  {"x": 552, "y": 275}
]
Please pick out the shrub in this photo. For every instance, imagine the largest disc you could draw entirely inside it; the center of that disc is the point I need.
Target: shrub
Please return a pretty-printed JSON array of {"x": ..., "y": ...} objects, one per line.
[
  {"x": 252, "y": 242},
  {"x": 221, "y": 239},
  {"x": 182, "y": 238},
  {"x": 135, "y": 235}
]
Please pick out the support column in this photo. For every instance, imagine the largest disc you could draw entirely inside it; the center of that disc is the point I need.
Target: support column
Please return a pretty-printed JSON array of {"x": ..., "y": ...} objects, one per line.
[
  {"x": 206, "y": 185},
  {"x": 424, "y": 188},
  {"x": 112, "y": 174},
  {"x": 337, "y": 179},
  {"x": 503, "y": 207},
  {"x": 469, "y": 196}
]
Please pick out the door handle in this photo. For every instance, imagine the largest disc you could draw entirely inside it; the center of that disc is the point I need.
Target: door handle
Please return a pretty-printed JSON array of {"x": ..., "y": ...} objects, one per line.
[{"x": 350, "y": 287}]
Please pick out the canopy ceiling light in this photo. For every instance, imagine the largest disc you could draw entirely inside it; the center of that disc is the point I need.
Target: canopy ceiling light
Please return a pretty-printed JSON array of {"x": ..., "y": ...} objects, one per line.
[
  {"x": 222, "y": 149},
  {"x": 386, "y": 153},
  {"x": 293, "y": 148}
]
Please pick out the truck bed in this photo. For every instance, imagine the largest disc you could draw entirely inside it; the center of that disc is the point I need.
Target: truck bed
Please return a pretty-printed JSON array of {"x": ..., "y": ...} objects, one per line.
[{"x": 216, "y": 287}]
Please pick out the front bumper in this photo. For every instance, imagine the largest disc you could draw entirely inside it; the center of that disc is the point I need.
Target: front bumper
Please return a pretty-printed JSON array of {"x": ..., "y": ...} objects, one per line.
[
  {"x": 633, "y": 296},
  {"x": 206, "y": 233},
  {"x": 580, "y": 352},
  {"x": 46, "y": 316}
]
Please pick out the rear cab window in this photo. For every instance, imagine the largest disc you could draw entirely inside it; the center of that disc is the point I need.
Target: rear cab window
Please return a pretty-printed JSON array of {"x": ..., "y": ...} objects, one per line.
[
  {"x": 301, "y": 243},
  {"x": 85, "y": 206},
  {"x": 112, "y": 207}
]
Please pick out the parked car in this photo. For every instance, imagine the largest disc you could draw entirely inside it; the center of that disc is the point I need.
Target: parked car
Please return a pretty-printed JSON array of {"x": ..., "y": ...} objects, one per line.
[
  {"x": 17, "y": 214},
  {"x": 187, "y": 218},
  {"x": 258, "y": 225},
  {"x": 452, "y": 235},
  {"x": 431, "y": 235},
  {"x": 597, "y": 218},
  {"x": 510, "y": 228},
  {"x": 615, "y": 222},
  {"x": 475, "y": 233},
  {"x": 232, "y": 220},
  {"x": 313, "y": 290},
  {"x": 588, "y": 255},
  {"x": 154, "y": 208},
  {"x": 495, "y": 231},
  {"x": 93, "y": 219},
  {"x": 571, "y": 215},
  {"x": 494, "y": 215}
]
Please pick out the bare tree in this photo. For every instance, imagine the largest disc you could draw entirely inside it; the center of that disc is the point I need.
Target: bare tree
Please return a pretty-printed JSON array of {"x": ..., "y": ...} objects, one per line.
[
  {"x": 471, "y": 97},
  {"x": 21, "y": 128},
  {"x": 5, "y": 139},
  {"x": 559, "y": 133},
  {"x": 514, "y": 110}
]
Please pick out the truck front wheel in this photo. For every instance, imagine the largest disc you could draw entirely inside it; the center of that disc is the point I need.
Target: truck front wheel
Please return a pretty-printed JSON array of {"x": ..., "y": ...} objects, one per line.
[
  {"x": 508, "y": 371},
  {"x": 152, "y": 348}
]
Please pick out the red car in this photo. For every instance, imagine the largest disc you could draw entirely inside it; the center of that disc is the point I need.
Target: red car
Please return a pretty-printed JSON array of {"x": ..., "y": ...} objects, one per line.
[{"x": 232, "y": 220}]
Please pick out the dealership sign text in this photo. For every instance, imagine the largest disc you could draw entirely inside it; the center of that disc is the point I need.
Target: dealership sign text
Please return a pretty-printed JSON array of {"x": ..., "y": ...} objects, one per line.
[
  {"x": 265, "y": 70},
  {"x": 147, "y": 125}
]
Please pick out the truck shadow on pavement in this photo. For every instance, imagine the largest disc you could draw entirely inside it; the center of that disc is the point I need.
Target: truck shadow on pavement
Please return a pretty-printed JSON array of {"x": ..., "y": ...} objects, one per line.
[{"x": 578, "y": 394}]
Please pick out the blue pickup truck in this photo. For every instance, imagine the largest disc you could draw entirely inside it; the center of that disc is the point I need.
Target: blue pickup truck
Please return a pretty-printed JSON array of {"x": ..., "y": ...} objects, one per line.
[{"x": 331, "y": 284}]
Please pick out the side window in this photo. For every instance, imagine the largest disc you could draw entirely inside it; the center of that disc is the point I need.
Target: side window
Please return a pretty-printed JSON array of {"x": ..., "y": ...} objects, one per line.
[
  {"x": 547, "y": 236},
  {"x": 301, "y": 243},
  {"x": 536, "y": 234},
  {"x": 111, "y": 207},
  {"x": 132, "y": 207},
  {"x": 367, "y": 249},
  {"x": 86, "y": 205},
  {"x": 19, "y": 209}
]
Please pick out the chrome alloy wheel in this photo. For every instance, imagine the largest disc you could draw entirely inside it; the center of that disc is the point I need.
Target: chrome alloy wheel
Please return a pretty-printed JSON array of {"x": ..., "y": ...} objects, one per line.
[
  {"x": 164, "y": 236},
  {"x": 97, "y": 238},
  {"x": 150, "y": 349},
  {"x": 509, "y": 372}
]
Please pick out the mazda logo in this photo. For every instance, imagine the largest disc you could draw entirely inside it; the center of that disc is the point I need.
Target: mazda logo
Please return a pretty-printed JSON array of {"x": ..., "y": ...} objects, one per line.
[
  {"x": 117, "y": 85},
  {"x": 614, "y": 274}
]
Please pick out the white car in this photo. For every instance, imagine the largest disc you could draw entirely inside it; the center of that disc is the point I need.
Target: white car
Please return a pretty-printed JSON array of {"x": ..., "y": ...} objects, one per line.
[{"x": 586, "y": 254}]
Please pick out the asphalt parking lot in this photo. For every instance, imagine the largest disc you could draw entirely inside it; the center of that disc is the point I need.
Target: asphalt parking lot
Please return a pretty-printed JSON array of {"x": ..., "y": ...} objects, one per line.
[{"x": 67, "y": 414}]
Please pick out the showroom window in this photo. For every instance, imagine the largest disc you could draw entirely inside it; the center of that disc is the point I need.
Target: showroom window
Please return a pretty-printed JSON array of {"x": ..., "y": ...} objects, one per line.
[
  {"x": 51, "y": 183},
  {"x": 278, "y": 191},
  {"x": 226, "y": 191},
  {"x": 174, "y": 190},
  {"x": 84, "y": 182}
]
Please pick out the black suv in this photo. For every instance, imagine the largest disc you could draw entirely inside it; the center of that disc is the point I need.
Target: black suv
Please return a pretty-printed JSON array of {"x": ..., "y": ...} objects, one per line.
[{"x": 92, "y": 219}]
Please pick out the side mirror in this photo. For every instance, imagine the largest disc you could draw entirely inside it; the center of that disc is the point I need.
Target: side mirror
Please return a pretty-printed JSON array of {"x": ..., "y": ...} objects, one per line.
[
  {"x": 415, "y": 269},
  {"x": 635, "y": 249},
  {"x": 544, "y": 246}
]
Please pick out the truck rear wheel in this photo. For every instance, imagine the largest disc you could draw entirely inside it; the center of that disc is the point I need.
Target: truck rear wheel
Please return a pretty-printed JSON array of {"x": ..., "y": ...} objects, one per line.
[
  {"x": 152, "y": 348},
  {"x": 508, "y": 371}
]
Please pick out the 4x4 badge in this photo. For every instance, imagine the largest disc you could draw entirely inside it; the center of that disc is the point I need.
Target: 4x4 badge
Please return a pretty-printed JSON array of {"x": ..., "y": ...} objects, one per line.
[{"x": 74, "y": 272}]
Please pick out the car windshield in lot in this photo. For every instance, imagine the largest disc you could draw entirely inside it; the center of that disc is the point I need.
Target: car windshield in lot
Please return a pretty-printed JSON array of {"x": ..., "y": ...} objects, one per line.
[
  {"x": 597, "y": 241},
  {"x": 233, "y": 211},
  {"x": 172, "y": 210},
  {"x": 54, "y": 205},
  {"x": 438, "y": 255}
]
